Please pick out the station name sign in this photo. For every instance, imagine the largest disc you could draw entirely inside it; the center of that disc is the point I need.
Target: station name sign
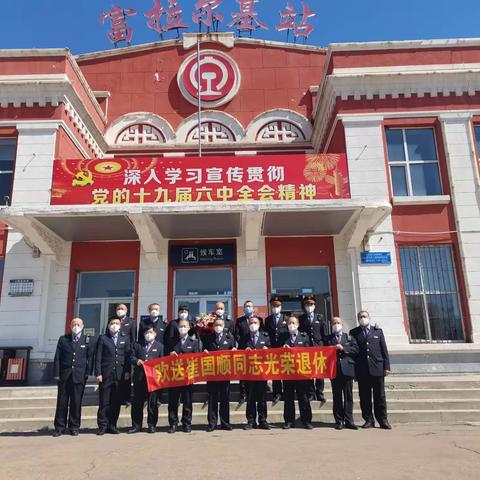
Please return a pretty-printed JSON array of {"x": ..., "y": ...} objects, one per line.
[{"x": 186, "y": 180}]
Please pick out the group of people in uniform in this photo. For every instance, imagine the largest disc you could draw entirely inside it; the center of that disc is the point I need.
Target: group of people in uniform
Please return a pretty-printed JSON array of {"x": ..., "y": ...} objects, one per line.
[{"x": 116, "y": 359}]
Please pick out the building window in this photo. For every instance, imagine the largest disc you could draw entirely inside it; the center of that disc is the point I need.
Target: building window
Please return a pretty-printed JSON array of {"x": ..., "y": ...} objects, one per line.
[
  {"x": 140, "y": 134},
  {"x": 7, "y": 161},
  {"x": 477, "y": 138},
  {"x": 413, "y": 160},
  {"x": 280, "y": 132},
  {"x": 211, "y": 132},
  {"x": 431, "y": 294}
]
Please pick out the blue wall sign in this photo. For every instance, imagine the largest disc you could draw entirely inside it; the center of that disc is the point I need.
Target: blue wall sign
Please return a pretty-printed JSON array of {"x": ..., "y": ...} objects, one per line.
[{"x": 376, "y": 258}]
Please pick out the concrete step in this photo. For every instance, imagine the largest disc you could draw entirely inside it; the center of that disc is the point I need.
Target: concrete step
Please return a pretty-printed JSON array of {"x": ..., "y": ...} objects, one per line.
[
  {"x": 396, "y": 405},
  {"x": 393, "y": 382},
  {"x": 91, "y": 398},
  {"x": 238, "y": 418}
]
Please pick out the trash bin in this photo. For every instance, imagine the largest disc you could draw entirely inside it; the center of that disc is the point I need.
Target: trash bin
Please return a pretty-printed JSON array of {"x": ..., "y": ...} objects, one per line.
[{"x": 14, "y": 365}]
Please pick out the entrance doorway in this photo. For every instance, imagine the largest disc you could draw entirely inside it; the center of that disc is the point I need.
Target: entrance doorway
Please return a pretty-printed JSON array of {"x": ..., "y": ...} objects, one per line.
[
  {"x": 98, "y": 294},
  {"x": 202, "y": 288}
]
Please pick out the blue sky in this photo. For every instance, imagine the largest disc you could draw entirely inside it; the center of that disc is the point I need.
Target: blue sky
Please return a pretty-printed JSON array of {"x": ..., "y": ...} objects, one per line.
[{"x": 75, "y": 23}]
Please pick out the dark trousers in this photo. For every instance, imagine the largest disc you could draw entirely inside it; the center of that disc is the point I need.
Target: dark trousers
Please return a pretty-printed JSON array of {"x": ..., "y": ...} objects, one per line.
[
  {"x": 277, "y": 388},
  {"x": 140, "y": 395},
  {"x": 69, "y": 405},
  {"x": 174, "y": 396},
  {"x": 218, "y": 402},
  {"x": 342, "y": 388},
  {"x": 126, "y": 391},
  {"x": 243, "y": 389},
  {"x": 316, "y": 388},
  {"x": 110, "y": 401},
  {"x": 367, "y": 385},
  {"x": 256, "y": 401},
  {"x": 300, "y": 387}
]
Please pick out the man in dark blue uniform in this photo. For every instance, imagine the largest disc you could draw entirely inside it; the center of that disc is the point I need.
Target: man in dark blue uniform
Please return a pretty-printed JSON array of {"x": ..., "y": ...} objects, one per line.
[
  {"x": 221, "y": 313},
  {"x": 256, "y": 390},
  {"x": 219, "y": 392},
  {"x": 154, "y": 321},
  {"x": 71, "y": 367},
  {"x": 171, "y": 334},
  {"x": 300, "y": 387},
  {"x": 277, "y": 329},
  {"x": 148, "y": 350},
  {"x": 128, "y": 326},
  {"x": 185, "y": 344},
  {"x": 315, "y": 326},
  {"x": 342, "y": 384},
  {"x": 112, "y": 367},
  {"x": 372, "y": 364},
  {"x": 241, "y": 331}
]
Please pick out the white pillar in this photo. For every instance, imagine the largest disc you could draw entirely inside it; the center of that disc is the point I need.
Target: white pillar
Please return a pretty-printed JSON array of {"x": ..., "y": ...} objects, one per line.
[{"x": 465, "y": 187}]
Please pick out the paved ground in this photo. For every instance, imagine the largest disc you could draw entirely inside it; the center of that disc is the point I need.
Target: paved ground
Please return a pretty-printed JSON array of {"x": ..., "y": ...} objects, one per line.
[{"x": 408, "y": 452}]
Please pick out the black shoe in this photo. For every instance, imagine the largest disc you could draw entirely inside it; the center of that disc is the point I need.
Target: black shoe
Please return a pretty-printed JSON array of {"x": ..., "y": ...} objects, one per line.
[
  {"x": 311, "y": 397},
  {"x": 351, "y": 426},
  {"x": 187, "y": 428},
  {"x": 134, "y": 430},
  {"x": 369, "y": 424},
  {"x": 74, "y": 432},
  {"x": 308, "y": 426},
  {"x": 277, "y": 398},
  {"x": 58, "y": 433},
  {"x": 248, "y": 426},
  {"x": 385, "y": 425},
  {"x": 227, "y": 428},
  {"x": 265, "y": 426},
  {"x": 151, "y": 429},
  {"x": 102, "y": 431},
  {"x": 287, "y": 426},
  {"x": 113, "y": 430},
  {"x": 172, "y": 429},
  {"x": 211, "y": 428},
  {"x": 322, "y": 401},
  {"x": 128, "y": 403},
  {"x": 339, "y": 426}
]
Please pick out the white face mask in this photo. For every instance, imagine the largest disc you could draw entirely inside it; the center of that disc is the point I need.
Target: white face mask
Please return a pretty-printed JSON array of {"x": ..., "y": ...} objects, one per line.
[
  {"x": 121, "y": 313},
  {"x": 337, "y": 328},
  {"x": 76, "y": 329},
  {"x": 364, "y": 321},
  {"x": 154, "y": 313},
  {"x": 220, "y": 312},
  {"x": 183, "y": 331},
  {"x": 276, "y": 310},
  {"x": 149, "y": 337},
  {"x": 183, "y": 315},
  {"x": 114, "y": 328},
  {"x": 253, "y": 327},
  {"x": 293, "y": 329},
  {"x": 218, "y": 329},
  {"x": 310, "y": 308}
]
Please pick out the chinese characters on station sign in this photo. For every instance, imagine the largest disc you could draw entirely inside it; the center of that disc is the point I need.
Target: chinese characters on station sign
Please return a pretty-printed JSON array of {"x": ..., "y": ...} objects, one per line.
[
  {"x": 203, "y": 254},
  {"x": 166, "y": 15},
  {"x": 262, "y": 178}
]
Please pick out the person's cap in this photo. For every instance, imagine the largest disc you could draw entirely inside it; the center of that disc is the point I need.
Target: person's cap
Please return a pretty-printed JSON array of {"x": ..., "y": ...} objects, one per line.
[
  {"x": 276, "y": 301},
  {"x": 309, "y": 299}
]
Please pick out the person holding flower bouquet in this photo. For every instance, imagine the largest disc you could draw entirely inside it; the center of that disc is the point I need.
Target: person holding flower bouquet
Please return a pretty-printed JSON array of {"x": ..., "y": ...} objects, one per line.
[{"x": 219, "y": 392}]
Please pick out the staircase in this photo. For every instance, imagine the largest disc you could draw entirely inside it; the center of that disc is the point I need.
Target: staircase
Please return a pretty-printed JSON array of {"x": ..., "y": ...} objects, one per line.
[{"x": 441, "y": 399}]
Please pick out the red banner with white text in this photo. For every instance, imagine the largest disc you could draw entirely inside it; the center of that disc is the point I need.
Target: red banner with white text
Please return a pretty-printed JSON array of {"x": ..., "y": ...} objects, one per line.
[
  {"x": 169, "y": 180},
  {"x": 268, "y": 364}
]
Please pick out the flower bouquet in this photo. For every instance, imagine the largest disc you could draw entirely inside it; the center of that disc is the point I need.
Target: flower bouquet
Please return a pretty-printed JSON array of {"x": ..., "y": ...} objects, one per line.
[{"x": 204, "y": 323}]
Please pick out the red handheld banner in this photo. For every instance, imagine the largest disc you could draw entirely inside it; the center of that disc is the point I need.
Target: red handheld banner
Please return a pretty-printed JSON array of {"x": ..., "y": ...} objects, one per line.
[{"x": 268, "y": 364}]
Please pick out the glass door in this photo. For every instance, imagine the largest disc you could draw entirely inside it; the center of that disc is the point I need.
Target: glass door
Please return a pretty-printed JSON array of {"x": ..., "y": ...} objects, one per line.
[{"x": 202, "y": 288}]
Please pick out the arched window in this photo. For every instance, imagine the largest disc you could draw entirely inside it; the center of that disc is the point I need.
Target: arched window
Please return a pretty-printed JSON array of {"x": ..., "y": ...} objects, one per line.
[
  {"x": 280, "y": 131},
  {"x": 211, "y": 132},
  {"x": 140, "y": 134}
]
